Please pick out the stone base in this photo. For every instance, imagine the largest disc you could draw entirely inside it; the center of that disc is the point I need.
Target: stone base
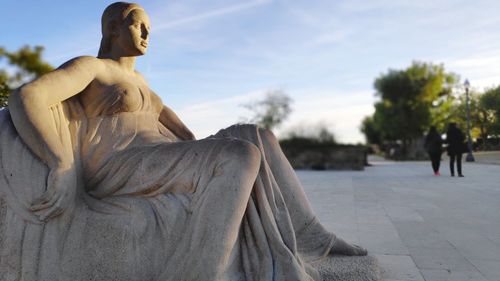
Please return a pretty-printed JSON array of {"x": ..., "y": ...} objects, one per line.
[{"x": 342, "y": 268}]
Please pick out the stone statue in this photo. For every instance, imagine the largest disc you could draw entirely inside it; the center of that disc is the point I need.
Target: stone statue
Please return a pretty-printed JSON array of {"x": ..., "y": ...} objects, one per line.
[{"x": 104, "y": 182}]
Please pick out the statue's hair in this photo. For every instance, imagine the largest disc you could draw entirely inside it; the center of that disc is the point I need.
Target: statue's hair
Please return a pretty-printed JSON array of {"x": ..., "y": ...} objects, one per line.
[{"x": 114, "y": 15}]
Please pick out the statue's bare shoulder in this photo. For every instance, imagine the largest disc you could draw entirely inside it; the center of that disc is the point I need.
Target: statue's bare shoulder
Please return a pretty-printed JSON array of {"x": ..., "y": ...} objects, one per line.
[
  {"x": 84, "y": 63},
  {"x": 66, "y": 81}
]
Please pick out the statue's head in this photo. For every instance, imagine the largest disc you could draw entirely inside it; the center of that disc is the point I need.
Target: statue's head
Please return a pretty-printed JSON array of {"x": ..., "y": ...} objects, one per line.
[{"x": 125, "y": 26}]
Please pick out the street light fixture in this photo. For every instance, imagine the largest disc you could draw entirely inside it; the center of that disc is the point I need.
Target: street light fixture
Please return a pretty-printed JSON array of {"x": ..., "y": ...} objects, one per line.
[{"x": 470, "y": 157}]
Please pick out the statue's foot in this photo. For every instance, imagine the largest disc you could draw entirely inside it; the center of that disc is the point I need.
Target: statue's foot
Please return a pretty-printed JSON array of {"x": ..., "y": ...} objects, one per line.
[{"x": 340, "y": 247}]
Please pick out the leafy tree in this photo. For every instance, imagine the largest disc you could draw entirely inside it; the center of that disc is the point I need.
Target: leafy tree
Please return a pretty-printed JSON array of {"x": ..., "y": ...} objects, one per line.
[
  {"x": 443, "y": 111},
  {"x": 325, "y": 136},
  {"x": 407, "y": 101},
  {"x": 271, "y": 111},
  {"x": 25, "y": 64},
  {"x": 484, "y": 114},
  {"x": 479, "y": 118},
  {"x": 490, "y": 102},
  {"x": 317, "y": 133},
  {"x": 369, "y": 129}
]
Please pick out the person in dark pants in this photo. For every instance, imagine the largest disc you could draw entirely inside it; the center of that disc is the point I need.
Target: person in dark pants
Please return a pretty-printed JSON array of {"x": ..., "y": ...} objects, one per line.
[
  {"x": 455, "y": 139},
  {"x": 434, "y": 147}
]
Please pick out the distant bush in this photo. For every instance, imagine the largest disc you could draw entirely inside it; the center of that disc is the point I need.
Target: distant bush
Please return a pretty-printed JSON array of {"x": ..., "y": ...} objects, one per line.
[{"x": 323, "y": 154}]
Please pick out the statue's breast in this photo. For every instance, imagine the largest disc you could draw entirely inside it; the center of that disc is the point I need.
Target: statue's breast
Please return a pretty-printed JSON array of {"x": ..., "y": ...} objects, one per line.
[
  {"x": 122, "y": 97},
  {"x": 105, "y": 99}
]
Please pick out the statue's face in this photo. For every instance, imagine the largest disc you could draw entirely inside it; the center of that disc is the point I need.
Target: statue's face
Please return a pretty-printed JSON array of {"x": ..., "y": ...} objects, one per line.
[{"x": 133, "y": 35}]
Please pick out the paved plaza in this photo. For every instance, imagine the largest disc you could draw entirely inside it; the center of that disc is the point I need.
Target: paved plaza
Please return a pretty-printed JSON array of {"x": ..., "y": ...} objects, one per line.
[{"x": 419, "y": 226}]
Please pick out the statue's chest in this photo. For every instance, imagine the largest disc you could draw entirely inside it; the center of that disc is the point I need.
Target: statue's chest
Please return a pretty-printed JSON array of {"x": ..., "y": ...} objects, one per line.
[
  {"x": 113, "y": 98},
  {"x": 126, "y": 96}
]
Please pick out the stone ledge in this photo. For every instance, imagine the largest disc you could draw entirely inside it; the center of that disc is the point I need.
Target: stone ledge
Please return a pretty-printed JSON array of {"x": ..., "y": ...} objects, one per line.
[{"x": 342, "y": 268}]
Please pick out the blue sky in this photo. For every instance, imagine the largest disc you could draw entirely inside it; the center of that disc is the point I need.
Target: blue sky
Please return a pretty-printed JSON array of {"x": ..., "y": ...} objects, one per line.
[{"x": 206, "y": 58}]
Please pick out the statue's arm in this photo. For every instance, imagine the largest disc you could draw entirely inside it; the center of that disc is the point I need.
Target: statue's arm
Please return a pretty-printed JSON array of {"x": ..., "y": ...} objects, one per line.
[
  {"x": 29, "y": 107},
  {"x": 172, "y": 122}
]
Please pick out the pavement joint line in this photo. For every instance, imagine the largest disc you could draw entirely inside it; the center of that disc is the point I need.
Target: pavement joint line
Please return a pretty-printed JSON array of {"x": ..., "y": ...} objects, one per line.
[{"x": 403, "y": 200}]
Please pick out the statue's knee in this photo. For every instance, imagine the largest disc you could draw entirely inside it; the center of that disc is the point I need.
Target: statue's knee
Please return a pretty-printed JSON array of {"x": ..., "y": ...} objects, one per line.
[
  {"x": 268, "y": 136},
  {"x": 244, "y": 152}
]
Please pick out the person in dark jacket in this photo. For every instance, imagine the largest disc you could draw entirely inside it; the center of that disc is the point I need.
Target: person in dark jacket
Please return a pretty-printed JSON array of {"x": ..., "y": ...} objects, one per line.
[
  {"x": 455, "y": 139},
  {"x": 434, "y": 147}
]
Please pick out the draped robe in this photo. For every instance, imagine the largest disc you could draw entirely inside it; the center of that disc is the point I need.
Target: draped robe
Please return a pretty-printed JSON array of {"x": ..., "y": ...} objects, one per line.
[{"x": 139, "y": 206}]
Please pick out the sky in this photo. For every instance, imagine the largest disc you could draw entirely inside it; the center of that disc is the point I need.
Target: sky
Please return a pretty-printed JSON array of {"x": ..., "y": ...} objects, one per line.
[{"x": 207, "y": 58}]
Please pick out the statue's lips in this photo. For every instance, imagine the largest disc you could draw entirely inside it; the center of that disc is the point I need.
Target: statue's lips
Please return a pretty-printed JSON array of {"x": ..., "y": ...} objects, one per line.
[{"x": 144, "y": 44}]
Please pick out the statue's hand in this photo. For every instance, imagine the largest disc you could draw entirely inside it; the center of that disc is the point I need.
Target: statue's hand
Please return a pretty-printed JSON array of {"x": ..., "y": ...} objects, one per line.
[{"x": 60, "y": 194}]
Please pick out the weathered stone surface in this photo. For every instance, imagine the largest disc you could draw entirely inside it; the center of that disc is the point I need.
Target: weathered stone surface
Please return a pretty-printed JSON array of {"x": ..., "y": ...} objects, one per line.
[
  {"x": 340, "y": 268},
  {"x": 104, "y": 182}
]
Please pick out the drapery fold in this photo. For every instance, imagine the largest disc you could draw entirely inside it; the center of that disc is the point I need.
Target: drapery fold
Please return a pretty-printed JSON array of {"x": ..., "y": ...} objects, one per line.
[{"x": 145, "y": 227}]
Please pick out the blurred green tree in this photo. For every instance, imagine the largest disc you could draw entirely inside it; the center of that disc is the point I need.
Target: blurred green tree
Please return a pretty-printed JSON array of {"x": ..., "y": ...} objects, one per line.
[
  {"x": 316, "y": 133},
  {"x": 484, "y": 114},
  {"x": 409, "y": 101},
  {"x": 479, "y": 117},
  {"x": 490, "y": 103},
  {"x": 369, "y": 129},
  {"x": 22, "y": 65},
  {"x": 271, "y": 111}
]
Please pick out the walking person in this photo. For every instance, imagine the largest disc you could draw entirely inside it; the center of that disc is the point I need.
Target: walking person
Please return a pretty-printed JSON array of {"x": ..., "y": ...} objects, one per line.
[
  {"x": 455, "y": 140},
  {"x": 434, "y": 147}
]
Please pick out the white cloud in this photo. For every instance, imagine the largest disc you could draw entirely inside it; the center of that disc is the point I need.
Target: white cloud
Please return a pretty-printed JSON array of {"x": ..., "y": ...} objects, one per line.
[
  {"x": 340, "y": 113},
  {"x": 481, "y": 70},
  {"x": 331, "y": 37},
  {"x": 210, "y": 14},
  {"x": 207, "y": 118},
  {"x": 217, "y": 48}
]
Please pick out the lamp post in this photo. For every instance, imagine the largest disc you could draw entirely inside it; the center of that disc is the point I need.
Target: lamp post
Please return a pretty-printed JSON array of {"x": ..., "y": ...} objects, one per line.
[{"x": 470, "y": 157}]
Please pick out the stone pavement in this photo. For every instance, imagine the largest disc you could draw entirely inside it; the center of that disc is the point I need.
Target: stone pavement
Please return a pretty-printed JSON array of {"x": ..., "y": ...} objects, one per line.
[{"x": 419, "y": 226}]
